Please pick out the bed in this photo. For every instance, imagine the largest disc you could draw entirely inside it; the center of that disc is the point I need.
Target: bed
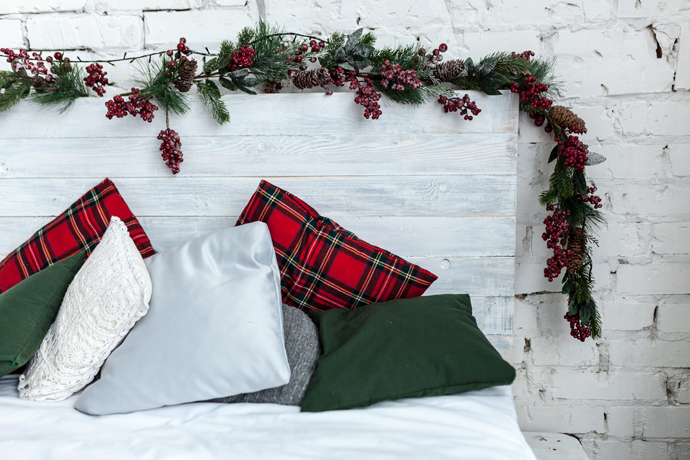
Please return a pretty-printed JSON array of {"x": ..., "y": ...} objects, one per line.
[{"x": 428, "y": 186}]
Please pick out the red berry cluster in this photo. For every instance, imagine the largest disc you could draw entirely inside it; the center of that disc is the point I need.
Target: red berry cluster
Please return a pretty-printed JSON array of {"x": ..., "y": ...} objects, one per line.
[
  {"x": 435, "y": 55},
  {"x": 574, "y": 151},
  {"x": 137, "y": 105},
  {"x": 530, "y": 91},
  {"x": 590, "y": 197},
  {"x": 526, "y": 55},
  {"x": 271, "y": 86},
  {"x": 399, "y": 77},
  {"x": 313, "y": 47},
  {"x": 171, "y": 149},
  {"x": 556, "y": 228},
  {"x": 242, "y": 58},
  {"x": 367, "y": 97},
  {"x": 96, "y": 78},
  {"x": 339, "y": 76},
  {"x": 463, "y": 104},
  {"x": 577, "y": 329},
  {"x": 20, "y": 60}
]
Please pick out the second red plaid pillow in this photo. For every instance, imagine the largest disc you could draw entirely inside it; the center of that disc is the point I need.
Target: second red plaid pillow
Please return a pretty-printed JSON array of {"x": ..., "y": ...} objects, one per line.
[{"x": 324, "y": 266}]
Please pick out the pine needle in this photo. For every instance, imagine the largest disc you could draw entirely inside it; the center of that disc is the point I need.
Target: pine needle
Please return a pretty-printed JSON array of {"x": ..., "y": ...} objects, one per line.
[
  {"x": 18, "y": 90},
  {"x": 69, "y": 86},
  {"x": 211, "y": 94}
]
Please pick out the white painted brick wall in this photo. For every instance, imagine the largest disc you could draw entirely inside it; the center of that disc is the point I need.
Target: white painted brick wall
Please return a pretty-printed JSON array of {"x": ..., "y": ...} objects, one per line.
[{"x": 625, "y": 65}]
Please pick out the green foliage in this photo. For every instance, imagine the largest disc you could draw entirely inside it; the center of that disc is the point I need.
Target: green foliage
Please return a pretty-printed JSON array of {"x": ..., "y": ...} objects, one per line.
[
  {"x": 6, "y": 78},
  {"x": 354, "y": 52},
  {"x": 407, "y": 56},
  {"x": 270, "y": 51},
  {"x": 15, "y": 92},
  {"x": 68, "y": 87},
  {"x": 156, "y": 83},
  {"x": 223, "y": 58},
  {"x": 211, "y": 94},
  {"x": 543, "y": 70},
  {"x": 407, "y": 96}
]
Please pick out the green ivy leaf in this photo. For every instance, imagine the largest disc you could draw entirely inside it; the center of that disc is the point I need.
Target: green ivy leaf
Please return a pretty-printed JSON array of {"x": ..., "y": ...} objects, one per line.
[
  {"x": 213, "y": 88},
  {"x": 486, "y": 65},
  {"x": 241, "y": 73},
  {"x": 347, "y": 66},
  {"x": 340, "y": 55},
  {"x": 554, "y": 153},
  {"x": 243, "y": 88},
  {"x": 359, "y": 62},
  {"x": 363, "y": 50},
  {"x": 568, "y": 286},
  {"x": 251, "y": 81},
  {"x": 227, "y": 84},
  {"x": 353, "y": 40},
  {"x": 580, "y": 183},
  {"x": 572, "y": 307},
  {"x": 594, "y": 158},
  {"x": 488, "y": 89}
]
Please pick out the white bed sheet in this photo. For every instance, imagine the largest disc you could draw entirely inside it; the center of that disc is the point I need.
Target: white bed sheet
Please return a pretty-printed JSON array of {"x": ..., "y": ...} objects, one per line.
[{"x": 477, "y": 425}]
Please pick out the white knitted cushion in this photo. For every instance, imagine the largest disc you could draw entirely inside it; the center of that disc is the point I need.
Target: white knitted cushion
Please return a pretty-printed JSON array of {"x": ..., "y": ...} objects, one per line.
[{"x": 106, "y": 298}]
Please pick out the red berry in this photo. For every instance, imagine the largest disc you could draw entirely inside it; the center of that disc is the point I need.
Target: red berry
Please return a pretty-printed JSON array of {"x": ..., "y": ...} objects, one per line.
[
  {"x": 315, "y": 48},
  {"x": 422, "y": 51},
  {"x": 58, "y": 56},
  {"x": 298, "y": 58},
  {"x": 312, "y": 43},
  {"x": 288, "y": 58},
  {"x": 169, "y": 52},
  {"x": 435, "y": 52},
  {"x": 180, "y": 46},
  {"x": 183, "y": 40},
  {"x": 304, "y": 47},
  {"x": 322, "y": 44},
  {"x": 443, "y": 47}
]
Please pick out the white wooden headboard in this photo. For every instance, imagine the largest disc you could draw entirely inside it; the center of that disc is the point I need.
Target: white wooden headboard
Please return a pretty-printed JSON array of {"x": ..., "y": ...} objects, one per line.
[{"x": 433, "y": 188}]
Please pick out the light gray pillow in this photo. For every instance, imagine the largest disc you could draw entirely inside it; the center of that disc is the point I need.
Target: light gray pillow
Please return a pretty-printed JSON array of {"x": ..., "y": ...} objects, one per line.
[
  {"x": 303, "y": 351},
  {"x": 214, "y": 327}
]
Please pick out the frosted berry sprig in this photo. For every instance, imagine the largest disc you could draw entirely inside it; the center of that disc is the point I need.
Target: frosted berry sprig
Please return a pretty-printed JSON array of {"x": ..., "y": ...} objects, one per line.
[
  {"x": 590, "y": 197},
  {"x": 530, "y": 91},
  {"x": 22, "y": 60},
  {"x": 241, "y": 59},
  {"x": 577, "y": 329},
  {"x": 574, "y": 151},
  {"x": 392, "y": 75},
  {"x": 172, "y": 154},
  {"x": 96, "y": 78},
  {"x": 463, "y": 104},
  {"x": 367, "y": 97},
  {"x": 556, "y": 227},
  {"x": 137, "y": 105}
]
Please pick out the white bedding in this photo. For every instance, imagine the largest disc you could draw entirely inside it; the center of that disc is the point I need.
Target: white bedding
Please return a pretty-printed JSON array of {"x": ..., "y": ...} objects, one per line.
[{"x": 477, "y": 425}]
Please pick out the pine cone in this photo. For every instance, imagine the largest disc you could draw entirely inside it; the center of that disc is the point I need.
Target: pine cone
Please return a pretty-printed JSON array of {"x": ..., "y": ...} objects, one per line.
[
  {"x": 449, "y": 70},
  {"x": 311, "y": 78},
  {"x": 186, "y": 74},
  {"x": 41, "y": 84},
  {"x": 567, "y": 119},
  {"x": 577, "y": 240}
]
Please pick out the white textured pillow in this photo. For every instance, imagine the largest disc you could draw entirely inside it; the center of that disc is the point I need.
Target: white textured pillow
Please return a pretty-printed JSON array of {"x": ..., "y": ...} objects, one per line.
[{"x": 106, "y": 298}]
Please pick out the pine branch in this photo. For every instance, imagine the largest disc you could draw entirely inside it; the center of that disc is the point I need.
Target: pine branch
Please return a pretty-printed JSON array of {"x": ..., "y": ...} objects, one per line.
[
  {"x": 211, "y": 94},
  {"x": 158, "y": 82},
  {"x": 10, "y": 96},
  {"x": 223, "y": 59},
  {"x": 69, "y": 86}
]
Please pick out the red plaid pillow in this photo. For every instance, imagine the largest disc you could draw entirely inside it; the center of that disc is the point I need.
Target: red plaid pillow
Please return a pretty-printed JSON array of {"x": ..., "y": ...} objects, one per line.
[
  {"x": 80, "y": 228},
  {"x": 322, "y": 265}
]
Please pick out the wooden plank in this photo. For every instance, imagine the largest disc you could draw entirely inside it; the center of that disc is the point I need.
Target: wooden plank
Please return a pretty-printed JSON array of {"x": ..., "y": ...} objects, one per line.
[
  {"x": 498, "y": 315},
  {"x": 267, "y": 114},
  {"x": 480, "y": 276},
  {"x": 326, "y": 155},
  {"x": 404, "y": 236},
  {"x": 502, "y": 344},
  {"x": 332, "y": 196}
]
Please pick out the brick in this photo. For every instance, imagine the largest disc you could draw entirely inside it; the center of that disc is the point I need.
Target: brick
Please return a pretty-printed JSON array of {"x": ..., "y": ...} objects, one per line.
[
  {"x": 619, "y": 316},
  {"x": 481, "y": 43},
  {"x": 620, "y": 421},
  {"x": 628, "y": 161},
  {"x": 563, "y": 350},
  {"x": 655, "y": 278},
  {"x": 644, "y": 352},
  {"x": 631, "y": 118},
  {"x": 683, "y": 70},
  {"x": 94, "y": 32},
  {"x": 671, "y": 238},
  {"x": 653, "y": 200},
  {"x": 11, "y": 33},
  {"x": 211, "y": 26},
  {"x": 652, "y": 8},
  {"x": 679, "y": 154},
  {"x": 138, "y": 5},
  {"x": 680, "y": 451},
  {"x": 668, "y": 119},
  {"x": 666, "y": 422},
  {"x": 597, "y": 62},
  {"x": 674, "y": 318},
  {"x": 683, "y": 394},
  {"x": 627, "y": 450},
  {"x": 563, "y": 419},
  {"x": 529, "y": 278},
  {"x": 525, "y": 320},
  {"x": 613, "y": 386},
  {"x": 622, "y": 239},
  {"x": 22, "y": 6}
]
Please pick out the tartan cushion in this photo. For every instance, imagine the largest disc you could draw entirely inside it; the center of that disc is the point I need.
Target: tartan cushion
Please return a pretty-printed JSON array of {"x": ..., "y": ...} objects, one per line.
[
  {"x": 324, "y": 266},
  {"x": 79, "y": 228}
]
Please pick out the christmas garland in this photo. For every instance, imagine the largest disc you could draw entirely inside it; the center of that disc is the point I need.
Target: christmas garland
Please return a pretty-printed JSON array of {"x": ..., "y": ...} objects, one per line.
[{"x": 266, "y": 57}]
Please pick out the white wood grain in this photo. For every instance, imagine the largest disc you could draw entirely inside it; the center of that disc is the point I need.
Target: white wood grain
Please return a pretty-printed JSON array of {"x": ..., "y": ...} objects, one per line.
[
  {"x": 404, "y": 236},
  {"x": 326, "y": 155},
  {"x": 266, "y": 114},
  {"x": 428, "y": 186},
  {"x": 475, "y": 195}
]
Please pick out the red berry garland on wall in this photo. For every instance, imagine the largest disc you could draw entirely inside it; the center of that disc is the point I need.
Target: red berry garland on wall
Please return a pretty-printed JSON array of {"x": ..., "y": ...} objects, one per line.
[{"x": 270, "y": 58}]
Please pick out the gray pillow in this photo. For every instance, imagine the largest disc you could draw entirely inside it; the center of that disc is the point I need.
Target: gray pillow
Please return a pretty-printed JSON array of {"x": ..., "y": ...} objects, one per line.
[
  {"x": 214, "y": 327},
  {"x": 303, "y": 351}
]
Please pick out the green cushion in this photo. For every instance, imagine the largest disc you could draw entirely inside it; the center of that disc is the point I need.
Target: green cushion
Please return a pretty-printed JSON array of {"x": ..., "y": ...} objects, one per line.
[
  {"x": 29, "y": 308},
  {"x": 407, "y": 348}
]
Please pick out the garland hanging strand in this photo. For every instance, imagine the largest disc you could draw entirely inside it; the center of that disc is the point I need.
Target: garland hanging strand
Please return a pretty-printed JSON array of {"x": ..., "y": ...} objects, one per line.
[{"x": 265, "y": 57}]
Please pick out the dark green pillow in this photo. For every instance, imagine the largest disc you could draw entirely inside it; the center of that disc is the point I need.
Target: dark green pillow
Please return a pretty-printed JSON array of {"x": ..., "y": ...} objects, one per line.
[
  {"x": 29, "y": 308},
  {"x": 407, "y": 348}
]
